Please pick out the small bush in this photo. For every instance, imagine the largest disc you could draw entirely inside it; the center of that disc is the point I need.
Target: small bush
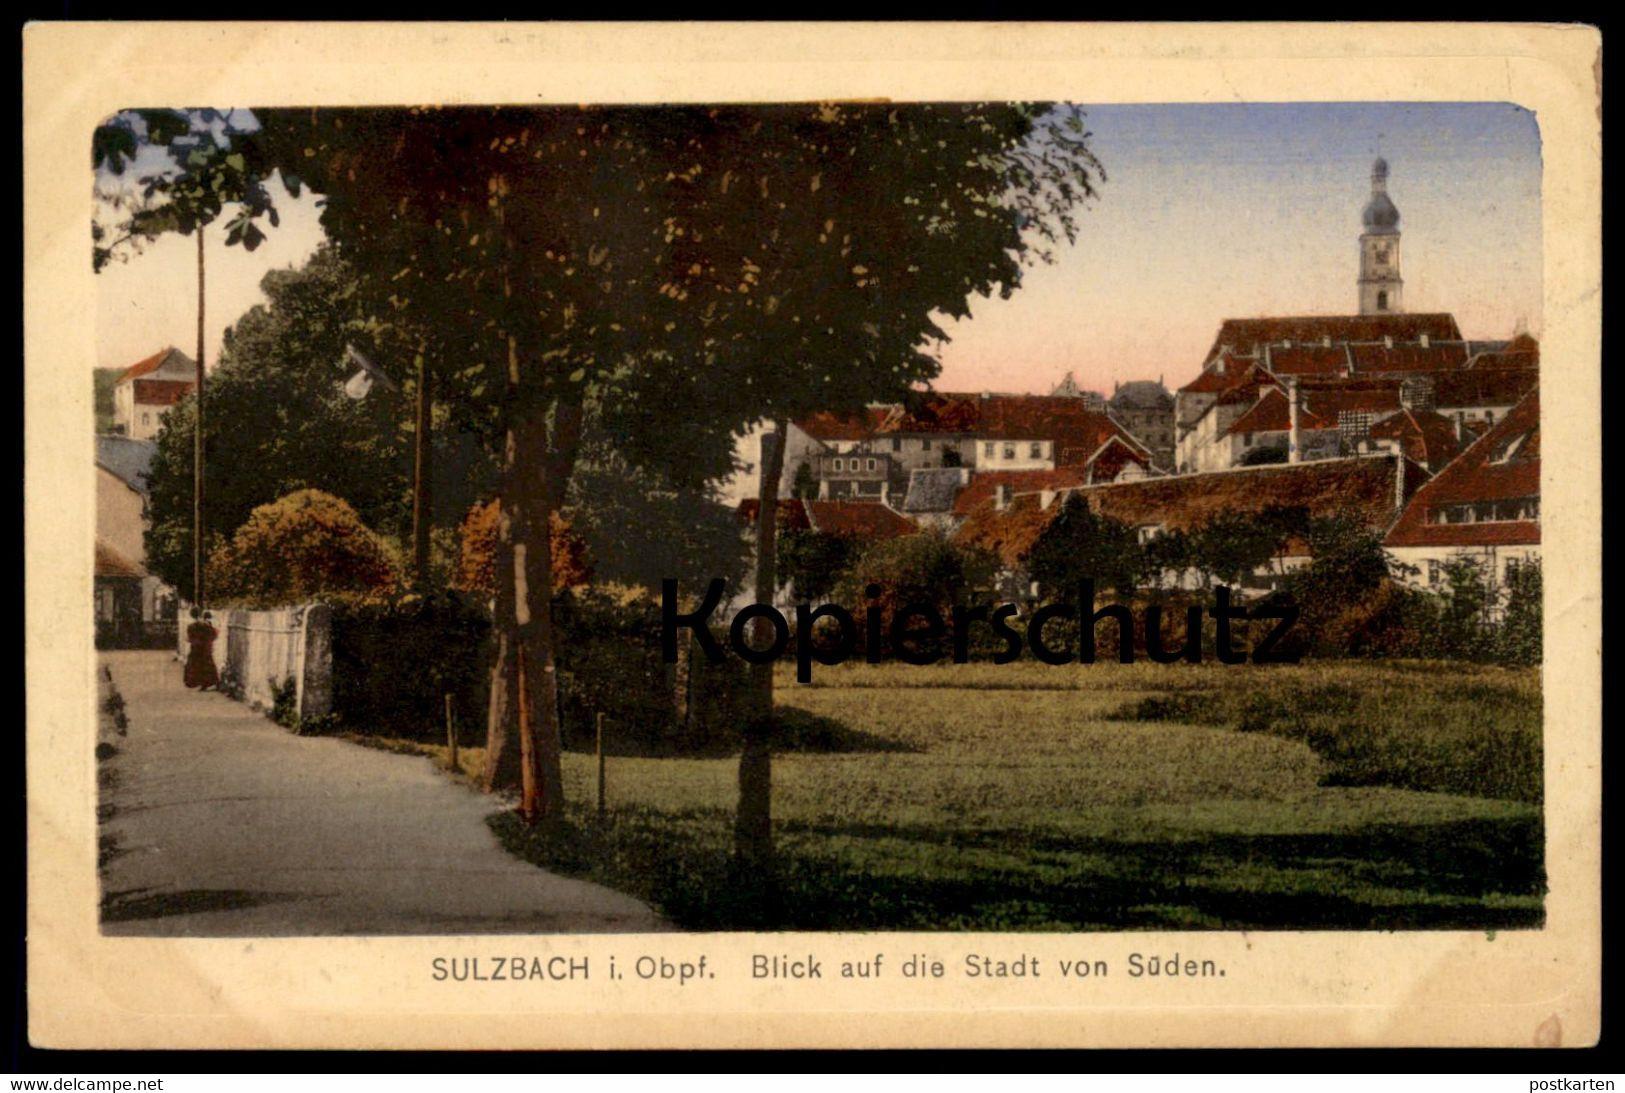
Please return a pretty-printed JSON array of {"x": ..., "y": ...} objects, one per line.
[
  {"x": 476, "y": 566},
  {"x": 304, "y": 546},
  {"x": 394, "y": 663}
]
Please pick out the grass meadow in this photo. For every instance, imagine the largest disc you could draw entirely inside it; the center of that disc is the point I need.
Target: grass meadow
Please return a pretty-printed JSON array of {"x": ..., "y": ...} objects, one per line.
[{"x": 1346, "y": 795}]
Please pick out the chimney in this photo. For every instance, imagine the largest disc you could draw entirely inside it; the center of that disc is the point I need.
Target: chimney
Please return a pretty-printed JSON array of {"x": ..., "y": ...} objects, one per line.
[
  {"x": 1399, "y": 481},
  {"x": 1294, "y": 447},
  {"x": 1001, "y": 496},
  {"x": 1424, "y": 341},
  {"x": 1461, "y": 428}
]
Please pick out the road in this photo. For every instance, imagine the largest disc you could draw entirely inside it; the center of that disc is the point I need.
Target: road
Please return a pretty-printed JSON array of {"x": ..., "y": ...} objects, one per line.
[{"x": 220, "y": 823}]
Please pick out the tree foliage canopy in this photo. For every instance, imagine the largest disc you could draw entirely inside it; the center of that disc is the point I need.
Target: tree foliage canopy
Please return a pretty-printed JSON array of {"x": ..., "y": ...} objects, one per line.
[{"x": 281, "y": 422}]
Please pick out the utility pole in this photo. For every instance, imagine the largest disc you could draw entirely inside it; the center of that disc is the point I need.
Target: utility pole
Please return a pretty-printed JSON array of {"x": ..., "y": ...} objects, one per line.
[
  {"x": 197, "y": 444},
  {"x": 420, "y": 481}
]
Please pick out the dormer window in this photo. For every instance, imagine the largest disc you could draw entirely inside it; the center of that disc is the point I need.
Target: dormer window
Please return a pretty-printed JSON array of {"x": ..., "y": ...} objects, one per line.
[{"x": 1509, "y": 449}]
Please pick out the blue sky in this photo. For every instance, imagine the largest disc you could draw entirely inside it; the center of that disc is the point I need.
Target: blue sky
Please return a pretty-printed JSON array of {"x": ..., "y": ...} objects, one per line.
[
  {"x": 1216, "y": 211},
  {"x": 1208, "y": 212}
]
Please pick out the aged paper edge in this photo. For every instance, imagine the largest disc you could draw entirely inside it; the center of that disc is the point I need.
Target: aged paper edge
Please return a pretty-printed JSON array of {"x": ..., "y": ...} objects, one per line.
[{"x": 1299, "y": 989}]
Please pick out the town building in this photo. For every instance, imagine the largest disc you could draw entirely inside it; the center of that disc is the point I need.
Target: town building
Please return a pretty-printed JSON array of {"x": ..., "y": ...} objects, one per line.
[
  {"x": 1483, "y": 506},
  {"x": 1381, "y": 286},
  {"x": 1350, "y": 373},
  {"x": 1371, "y": 489},
  {"x": 133, "y": 608},
  {"x": 144, "y": 392},
  {"x": 1068, "y": 388},
  {"x": 1146, "y": 409}
]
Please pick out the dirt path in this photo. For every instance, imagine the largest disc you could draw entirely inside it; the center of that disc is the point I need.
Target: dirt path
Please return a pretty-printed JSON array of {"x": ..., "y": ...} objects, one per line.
[{"x": 224, "y": 824}]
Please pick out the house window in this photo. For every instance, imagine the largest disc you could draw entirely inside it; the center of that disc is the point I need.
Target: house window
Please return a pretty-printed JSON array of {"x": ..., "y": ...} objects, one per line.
[
  {"x": 1382, "y": 301},
  {"x": 1489, "y": 417},
  {"x": 1036, "y": 451},
  {"x": 1513, "y": 566},
  {"x": 146, "y": 419},
  {"x": 925, "y": 445},
  {"x": 838, "y": 464},
  {"x": 1433, "y": 572},
  {"x": 868, "y": 464},
  {"x": 987, "y": 449},
  {"x": 1009, "y": 451}
]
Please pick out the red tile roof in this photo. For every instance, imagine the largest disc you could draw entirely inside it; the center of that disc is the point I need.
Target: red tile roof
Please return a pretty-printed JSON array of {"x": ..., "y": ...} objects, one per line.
[
  {"x": 982, "y": 487},
  {"x": 1249, "y": 389},
  {"x": 1300, "y": 360},
  {"x": 1322, "y": 401},
  {"x": 1425, "y": 436},
  {"x": 1214, "y": 380},
  {"x": 1490, "y": 387},
  {"x": 161, "y": 392},
  {"x": 110, "y": 563},
  {"x": 1476, "y": 476},
  {"x": 146, "y": 365},
  {"x": 828, "y": 426},
  {"x": 1074, "y": 430},
  {"x": 866, "y": 520},
  {"x": 1362, "y": 487},
  {"x": 1243, "y": 335},
  {"x": 1408, "y": 358},
  {"x": 1501, "y": 358}
]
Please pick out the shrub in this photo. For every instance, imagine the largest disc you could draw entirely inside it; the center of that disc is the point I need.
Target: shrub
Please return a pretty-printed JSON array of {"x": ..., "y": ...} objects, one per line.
[
  {"x": 609, "y": 661},
  {"x": 476, "y": 567},
  {"x": 306, "y": 545},
  {"x": 1521, "y": 630},
  {"x": 1392, "y": 621},
  {"x": 394, "y": 663},
  {"x": 814, "y": 561},
  {"x": 926, "y": 568}
]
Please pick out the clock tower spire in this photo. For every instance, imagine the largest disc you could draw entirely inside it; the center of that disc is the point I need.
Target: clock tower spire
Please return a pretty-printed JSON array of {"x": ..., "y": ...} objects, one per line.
[{"x": 1381, "y": 286}]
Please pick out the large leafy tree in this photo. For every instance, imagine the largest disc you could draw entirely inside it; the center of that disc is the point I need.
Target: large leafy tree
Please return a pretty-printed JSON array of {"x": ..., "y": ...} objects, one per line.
[
  {"x": 821, "y": 245},
  {"x": 280, "y": 421},
  {"x": 685, "y": 270}
]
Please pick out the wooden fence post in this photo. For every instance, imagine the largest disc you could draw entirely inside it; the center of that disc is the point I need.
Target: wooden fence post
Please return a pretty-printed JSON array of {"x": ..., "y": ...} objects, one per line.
[{"x": 451, "y": 734}]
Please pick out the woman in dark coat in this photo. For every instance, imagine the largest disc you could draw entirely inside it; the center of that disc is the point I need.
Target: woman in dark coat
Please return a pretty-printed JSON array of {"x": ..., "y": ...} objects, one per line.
[{"x": 200, "y": 670}]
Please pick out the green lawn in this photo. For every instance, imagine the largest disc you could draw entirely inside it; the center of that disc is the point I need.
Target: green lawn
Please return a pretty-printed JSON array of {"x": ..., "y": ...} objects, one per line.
[{"x": 1351, "y": 795}]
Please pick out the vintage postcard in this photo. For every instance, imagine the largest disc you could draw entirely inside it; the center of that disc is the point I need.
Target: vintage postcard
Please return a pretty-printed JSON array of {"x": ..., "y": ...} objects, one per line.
[{"x": 849, "y": 535}]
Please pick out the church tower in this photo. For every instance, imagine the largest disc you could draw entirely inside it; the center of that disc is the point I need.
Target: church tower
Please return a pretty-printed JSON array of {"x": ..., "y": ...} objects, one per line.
[{"x": 1380, "y": 283}]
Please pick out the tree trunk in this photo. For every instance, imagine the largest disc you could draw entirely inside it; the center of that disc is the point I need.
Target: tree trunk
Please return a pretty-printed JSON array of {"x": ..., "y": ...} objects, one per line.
[
  {"x": 753, "y": 823},
  {"x": 549, "y": 462},
  {"x": 501, "y": 724}
]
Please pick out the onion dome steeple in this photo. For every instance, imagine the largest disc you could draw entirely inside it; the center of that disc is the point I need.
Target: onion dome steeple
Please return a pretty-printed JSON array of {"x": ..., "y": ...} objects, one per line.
[{"x": 1380, "y": 217}]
